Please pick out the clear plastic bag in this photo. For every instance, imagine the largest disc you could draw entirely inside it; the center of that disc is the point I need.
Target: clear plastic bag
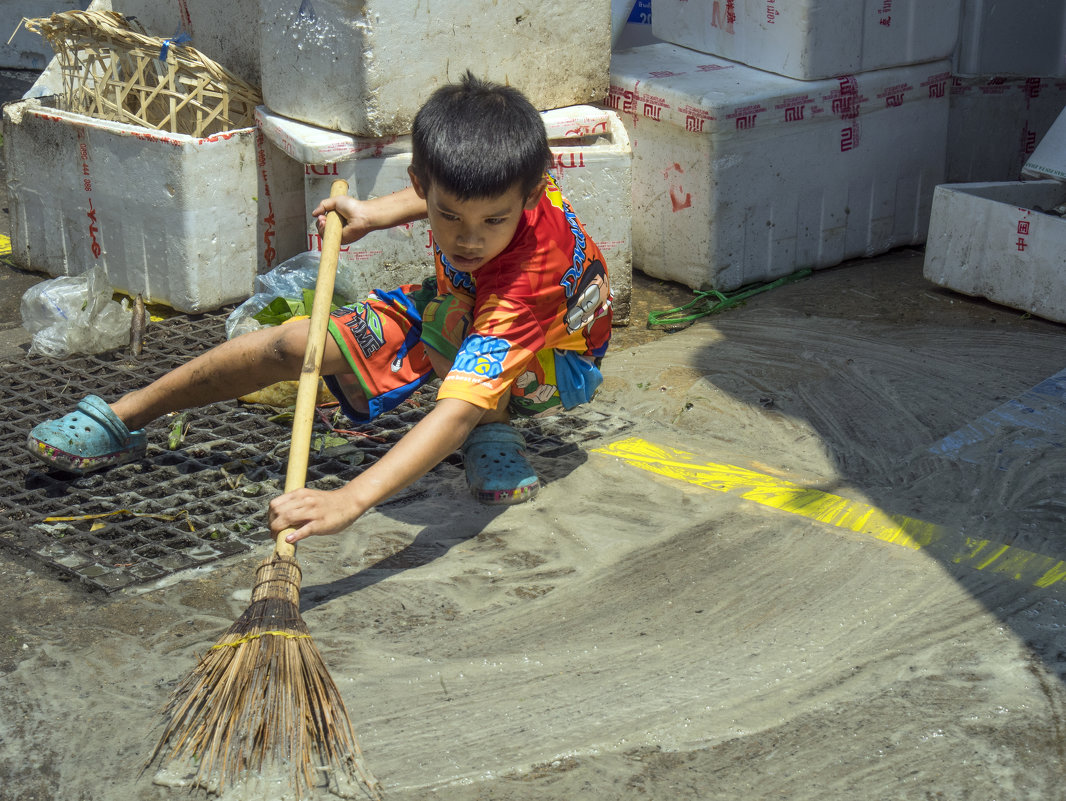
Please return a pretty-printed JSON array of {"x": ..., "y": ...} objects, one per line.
[
  {"x": 75, "y": 315},
  {"x": 288, "y": 280}
]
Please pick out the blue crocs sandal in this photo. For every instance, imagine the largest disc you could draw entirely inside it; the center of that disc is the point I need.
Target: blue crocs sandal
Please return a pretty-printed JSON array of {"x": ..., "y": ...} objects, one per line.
[
  {"x": 89, "y": 438},
  {"x": 496, "y": 466}
]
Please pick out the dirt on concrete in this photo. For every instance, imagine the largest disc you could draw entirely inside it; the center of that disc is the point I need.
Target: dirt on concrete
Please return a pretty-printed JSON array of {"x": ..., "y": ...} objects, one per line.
[{"x": 825, "y": 560}]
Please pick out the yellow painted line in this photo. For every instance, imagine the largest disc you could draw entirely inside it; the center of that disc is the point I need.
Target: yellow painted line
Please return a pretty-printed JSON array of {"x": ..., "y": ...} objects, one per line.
[
  {"x": 835, "y": 510},
  {"x": 5, "y": 245}
]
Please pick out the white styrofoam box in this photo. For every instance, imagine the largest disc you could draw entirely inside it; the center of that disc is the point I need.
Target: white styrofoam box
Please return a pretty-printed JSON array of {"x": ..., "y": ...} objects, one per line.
[
  {"x": 282, "y": 220},
  {"x": 812, "y": 39},
  {"x": 227, "y": 33},
  {"x": 366, "y": 66},
  {"x": 996, "y": 122},
  {"x": 637, "y": 30},
  {"x": 620, "y": 13},
  {"x": 19, "y": 48},
  {"x": 743, "y": 176},
  {"x": 592, "y": 165},
  {"x": 1022, "y": 37},
  {"x": 1049, "y": 157},
  {"x": 992, "y": 240},
  {"x": 169, "y": 216}
]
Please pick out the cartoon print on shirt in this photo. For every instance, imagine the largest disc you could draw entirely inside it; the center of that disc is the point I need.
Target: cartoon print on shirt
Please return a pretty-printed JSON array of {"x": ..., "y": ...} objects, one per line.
[
  {"x": 459, "y": 279},
  {"x": 592, "y": 292},
  {"x": 528, "y": 387},
  {"x": 481, "y": 356}
]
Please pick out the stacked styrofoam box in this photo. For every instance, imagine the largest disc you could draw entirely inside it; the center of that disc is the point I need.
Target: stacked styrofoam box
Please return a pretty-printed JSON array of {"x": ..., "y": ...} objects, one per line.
[
  {"x": 169, "y": 216},
  {"x": 999, "y": 241},
  {"x": 366, "y": 66},
  {"x": 621, "y": 10},
  {"x": 741, "y": 175},
  {"x": 1049, "y": 158},
  {"x": 185, "y": 221},
  {"x": 996, "y": 122},
  {"x": 19, "y": 48},
  {"x": 996, "y": 241},
  {"x": 227, "y": 33},
  {"x": 1009, "y": 85},
  {"x": 1020, "y": 38},
  {"x": 812, "y": 39},
  {"x": 637, "y": 29},
  {"x": 592, "y": 162}
]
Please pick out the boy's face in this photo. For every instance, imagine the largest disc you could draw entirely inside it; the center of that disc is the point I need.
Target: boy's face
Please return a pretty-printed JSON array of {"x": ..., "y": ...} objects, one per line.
[{"x": 473, "y": 232}]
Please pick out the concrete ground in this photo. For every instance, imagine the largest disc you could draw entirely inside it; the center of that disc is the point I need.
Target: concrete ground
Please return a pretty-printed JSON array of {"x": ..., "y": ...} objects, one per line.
[{"x": 825, "y": 560}]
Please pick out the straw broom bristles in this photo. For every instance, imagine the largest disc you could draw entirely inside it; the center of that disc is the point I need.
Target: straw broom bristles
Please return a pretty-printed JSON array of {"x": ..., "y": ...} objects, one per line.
[{"x": 262, "y": 697}]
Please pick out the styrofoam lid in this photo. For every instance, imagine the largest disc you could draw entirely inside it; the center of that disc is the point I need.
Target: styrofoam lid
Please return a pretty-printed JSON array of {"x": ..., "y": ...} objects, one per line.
[
  {"x": 711, "y": 95},
  {"x": 309, "y": 144},
  {"x": 1049, "y": 158},
  {"x": 575, "y": 121}
]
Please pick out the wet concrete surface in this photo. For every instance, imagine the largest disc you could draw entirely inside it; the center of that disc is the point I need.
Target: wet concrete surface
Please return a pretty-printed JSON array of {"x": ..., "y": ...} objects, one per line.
[{"x": 824, "y": 560}]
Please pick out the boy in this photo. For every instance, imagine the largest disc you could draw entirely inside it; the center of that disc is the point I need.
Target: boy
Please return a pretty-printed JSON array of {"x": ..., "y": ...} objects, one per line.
[{"x": 515, "y": 321}]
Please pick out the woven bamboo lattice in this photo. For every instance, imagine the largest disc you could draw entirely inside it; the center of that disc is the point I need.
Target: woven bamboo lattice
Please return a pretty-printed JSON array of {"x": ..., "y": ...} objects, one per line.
[{"x": 113, "y": 72}]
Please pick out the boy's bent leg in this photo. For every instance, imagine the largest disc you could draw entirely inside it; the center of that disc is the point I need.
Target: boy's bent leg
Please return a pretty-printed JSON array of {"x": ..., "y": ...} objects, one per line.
[
  {"x": 494, "y": 454},
  {"x": 92, "y": 437},
  {"x": 96, "y": 436},
  {"x": 497, "y": 470},
  {"x": 234, "y": 368}
]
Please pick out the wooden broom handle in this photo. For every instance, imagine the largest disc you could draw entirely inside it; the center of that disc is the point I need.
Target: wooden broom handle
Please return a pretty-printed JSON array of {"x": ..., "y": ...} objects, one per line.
[{"x": 307, "y": 390}]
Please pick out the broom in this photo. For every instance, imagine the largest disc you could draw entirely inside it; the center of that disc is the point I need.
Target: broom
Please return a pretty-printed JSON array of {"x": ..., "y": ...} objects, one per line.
[{"x": 262, "y": 694}]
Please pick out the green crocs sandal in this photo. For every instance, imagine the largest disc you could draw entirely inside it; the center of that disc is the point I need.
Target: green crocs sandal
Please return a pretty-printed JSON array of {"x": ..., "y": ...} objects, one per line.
[
  {"x": 90, "y": 438},
  {"x": 496, "y": 466}
]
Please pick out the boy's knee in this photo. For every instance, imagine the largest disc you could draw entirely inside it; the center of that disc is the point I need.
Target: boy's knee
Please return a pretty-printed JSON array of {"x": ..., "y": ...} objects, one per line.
[
  {"x": 288, "y": 343},
  {"x": 441, "y": 363}
]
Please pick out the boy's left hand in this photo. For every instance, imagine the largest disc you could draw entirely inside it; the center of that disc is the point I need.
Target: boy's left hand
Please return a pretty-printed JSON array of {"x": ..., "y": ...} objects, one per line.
[{"x": 310, "y": 512}]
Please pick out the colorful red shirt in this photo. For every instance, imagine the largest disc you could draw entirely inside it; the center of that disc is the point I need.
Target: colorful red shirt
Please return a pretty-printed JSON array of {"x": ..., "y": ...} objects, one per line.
[{"x": 547, "y": 290}]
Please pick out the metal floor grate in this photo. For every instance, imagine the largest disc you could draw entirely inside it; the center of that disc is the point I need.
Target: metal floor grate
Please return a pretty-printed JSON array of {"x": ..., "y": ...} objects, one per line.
[{"x": 207, "y": 499}]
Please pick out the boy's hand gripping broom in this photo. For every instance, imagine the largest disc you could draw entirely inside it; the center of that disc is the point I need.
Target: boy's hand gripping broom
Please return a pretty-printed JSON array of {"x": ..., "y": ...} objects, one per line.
[{"x": 262, "y": 695}]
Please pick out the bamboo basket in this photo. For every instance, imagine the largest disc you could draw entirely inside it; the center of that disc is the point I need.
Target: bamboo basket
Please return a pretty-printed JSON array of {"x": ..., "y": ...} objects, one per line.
[{"x": 113, "y": 72}]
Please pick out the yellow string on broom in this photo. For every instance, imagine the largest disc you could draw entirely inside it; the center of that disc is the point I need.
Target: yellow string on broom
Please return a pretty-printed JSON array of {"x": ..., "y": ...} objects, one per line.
[{"x": 250, "y": 637}]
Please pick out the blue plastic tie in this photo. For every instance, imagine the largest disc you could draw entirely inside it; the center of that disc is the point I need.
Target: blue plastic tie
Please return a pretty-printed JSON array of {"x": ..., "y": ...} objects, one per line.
[{"x": 178, "y": 39}]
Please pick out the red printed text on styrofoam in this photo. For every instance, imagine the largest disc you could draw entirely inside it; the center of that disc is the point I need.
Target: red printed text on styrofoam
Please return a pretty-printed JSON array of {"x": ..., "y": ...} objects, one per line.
[
  {"x": 1029, "y": 139},
  {"x": 269, "y": 221},
  {"x": 884, "y": 13},
  {"x": 846, "y": 103},
  {"x": 314, "y": 242},
  {"x": 937, "y": 84},
  {"x": 1022, "y": 231},
  {"x": 578, "y": 130},
  {"x": 630, "y": 101},
  {"x": 87, "y": 185},
  {"x": 795, "y": 108},
  {"x": 695, "y": 118},
  {"x": 568, "y": 160},
  {"x": 894, "y": 95},
  {"x": 746, "y": 116},
  {"x": 724, "y": 15}
]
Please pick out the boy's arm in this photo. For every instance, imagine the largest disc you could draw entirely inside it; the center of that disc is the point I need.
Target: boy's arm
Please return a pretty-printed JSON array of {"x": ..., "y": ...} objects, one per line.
[
  {"x": 363, "y": 216},
  {"x": 439, "y": 433}
]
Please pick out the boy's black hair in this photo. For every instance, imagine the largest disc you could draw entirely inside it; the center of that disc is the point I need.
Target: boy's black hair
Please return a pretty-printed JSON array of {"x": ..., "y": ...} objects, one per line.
[{"x": 478, "y": 139}]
